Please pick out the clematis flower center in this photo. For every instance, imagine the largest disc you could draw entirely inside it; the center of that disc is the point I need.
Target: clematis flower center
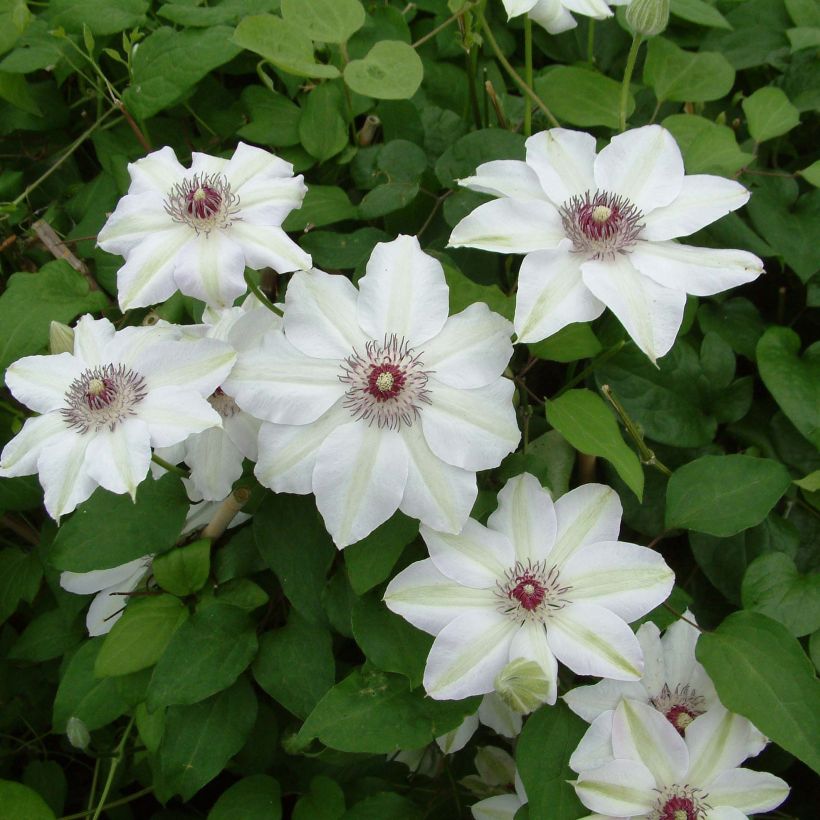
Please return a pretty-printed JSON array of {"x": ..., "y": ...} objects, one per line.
[
  {"x": 531, "y": 592},
  {"x": 223, "y": 403},
  {"x": 601, "y": 224},
  {"x": 102, "y": 397},
  {"x": 680, "y": 706},
  {"x": 204, "y": 202},
  {"x": 387, "y": 384},
  {"x": 680, "y": 803}
]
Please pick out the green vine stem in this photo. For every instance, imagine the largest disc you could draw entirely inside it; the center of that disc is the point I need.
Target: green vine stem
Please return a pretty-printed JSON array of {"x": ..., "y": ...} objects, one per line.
[
  {"x": 630, "y": 67},
  {"x": 115, "y": 762},
  {"x": 528, "y": 74},
  {"x": 257, "y": 292}
]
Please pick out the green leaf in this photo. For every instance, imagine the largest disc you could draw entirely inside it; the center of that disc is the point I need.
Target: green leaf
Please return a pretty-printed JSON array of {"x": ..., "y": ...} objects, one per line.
[
  {"x": 32, "y": 300},
  {"x": 384, "y": 806},
  {"x": 370, "y": 560},
  {"x": 794, "y": 381},
  {"x": 464, "y": 292},
  {"x": 101, "y": 16},
  {"x": 19, "y": 802},
  {"x": 323, "y": 205},
  {"x": 20, "y": 575},
  {"x": 385, "y": 199},
  {"x": 296, "y": 678},
  {"x": 582, "y": 97},
  {"x": 292, "y": 538},
  {"x": 81, "y": 694},
  {"x": 220, "y": 13},
  {"x": 257, "y": 797},
  {"x": 585, "y": 421},
  {"x": 542, "y": 754},
  {"x": 342, "y": 250},
  {"x": 722, "y": 495},
  {"x": 140, "y": 636},
  {"x": 15, "y": 89},
  {"x": 281, "y": 43},
  {"x": 812, "y": 173},
  {"x": 87, "y": 541},
  {"x": 573, "y": 342},
  {"x": 184, "y": 570},
  {"x": 274, "y": 118},
  {"x": 199, "y": 740},
  {"x": 391, "y": 70},
  {"x": 388, "y": 641},
  {"x": 322, "y": 128},
  {"x": 550, "y": 458},
  {"x": 737, "y": 321},
  {"x": 48, "y": 636},
  {"x": 465, "y": 155},
  {"x": 324, "y": 801},
  {"x": 326, "y": 21},
  {"x": 375, "y": 712},
  {"x": 761, "y": 672},
  {"x": 707, "y": 147},
  {"x": 700, "y": 12},
  {"x": 769, "y": 113},
  {"x": 686, "y": 76},
  {"x": 772, "y": 585},
  {"x": 14, "y": 18},
  {"x": 169, "y": 63}
]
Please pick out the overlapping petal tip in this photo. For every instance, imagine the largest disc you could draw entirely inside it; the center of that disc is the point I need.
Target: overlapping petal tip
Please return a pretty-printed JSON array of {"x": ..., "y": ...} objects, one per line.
[
  {"x": 563, "y": 161},
  {"x": 505, "y": 177}
]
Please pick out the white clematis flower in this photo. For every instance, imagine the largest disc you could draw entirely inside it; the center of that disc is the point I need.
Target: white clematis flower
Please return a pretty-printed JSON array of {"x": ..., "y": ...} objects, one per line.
[
  {"x": 106, "y": 405},
  {"x": 599, "y": 230},
  {"x": 195, "y": 229},
  {"x": 374, "y": 400},
  {"x": 554, "y": 15},
  {"x": 496, "y": 768},
  {"x": 656, "y": 774},
  {"x": 215, "y": 455},
  {"x": 541, "y": 581}
]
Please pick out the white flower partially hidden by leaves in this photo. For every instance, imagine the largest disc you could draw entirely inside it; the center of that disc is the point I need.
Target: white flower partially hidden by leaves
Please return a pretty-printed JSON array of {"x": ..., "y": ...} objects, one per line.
[
  {"x": 111, "y": 589},
  {"x": 542, "y": 581},
  {"x": 215, "y": 455},
  {"x": 555, "y": 16},
  {"x": 599, "y": 230},
  {"x": 656, "y": 774},
  {"x": 105, "y": 406},
  {"x": 196, "y": 229},
  {"x": 375, "y": 400},
  {"x": 492, "y": 712},
  {"x": 496, "y": 769}
]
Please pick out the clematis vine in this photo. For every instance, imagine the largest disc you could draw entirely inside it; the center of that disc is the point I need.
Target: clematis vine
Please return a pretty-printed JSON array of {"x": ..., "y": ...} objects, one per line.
[
  {"x": 375, "y": 400},
  {"x": 104, "y": 406},
  {"x": 598, "y": 230},
  {"x": 542, "y": 581},
  {"x": 195, "y": 230},
  {"x": 656, "y": 774}
]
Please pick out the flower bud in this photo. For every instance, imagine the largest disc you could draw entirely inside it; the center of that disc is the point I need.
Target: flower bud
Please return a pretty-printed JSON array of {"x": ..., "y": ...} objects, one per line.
[
  {"x": 648, "y": 17},
  {"x": 522, "y": 685},
  {"x": 77, "y": 732},
  {"x": 60, "y": 338}
]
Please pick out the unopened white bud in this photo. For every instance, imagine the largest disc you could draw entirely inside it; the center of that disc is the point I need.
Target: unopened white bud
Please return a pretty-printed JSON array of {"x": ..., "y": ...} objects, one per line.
[
  {"x": 522, "y": 685},
  {"x": 60, "y": 338},
  {"x": 77, "y": 732},
  {"x": 648, "y": 17}
]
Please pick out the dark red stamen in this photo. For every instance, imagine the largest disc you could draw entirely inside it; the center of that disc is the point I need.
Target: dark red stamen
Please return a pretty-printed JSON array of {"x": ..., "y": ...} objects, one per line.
[
  {"x": 528, "y": 591},
  {"x": 385, "y": 382},
  {"x": 203, "y": 202}
]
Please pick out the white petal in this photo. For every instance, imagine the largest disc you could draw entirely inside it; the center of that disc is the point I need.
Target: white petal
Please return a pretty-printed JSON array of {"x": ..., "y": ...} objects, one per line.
[
  {"x": 678, "y": 647},
  {"x": 320, "y": 315},
  {"x": 725, "y": 813},
  {"x": 749, "y": 791},
  {"x": 468, "y": 654},
  {"x": 476, "y": 557},
  {"x": 516, "y": 7},
  {"x": 620, "y": 788},
  {"x": 458, "y": 738},
  {"x": 595, "y": 747},
  {"x": 41, "y": 382},
  {"x": 21, "y": 453},
  {"x": 596, "y": 9},
  {"x": 276, "y": 382},
  {"x": 249, "y": 162},
  {"x": 625, "y": 578},
  {"x": 206, "y": 164},
  {"x": 215, "y": 463},
  {"x": 157, "y": 172},
  {"x": 211, "y": 267},
  {"x": 472, "y": 349},
  {"x": 718, "y": 740},
  {"x": 267, "y": 246},
  {"x": 403, "y": 292},
  {"x": 86, "y": 583},
  {"x": 287, "y": 453},
  {"x": 430, "y": 600},
  {"x": 438, "y": 494},
  {"x": 590, "y": 640},
  {"x": 94, "y": 339},
  {"x": 200, "y": 366},
  {"x": 251, "y": 328},
  {"x": 498, "y": 807},
  {"x": 146, "y": 278},
  {"x": 359, "y": 479},
  {"x": 587, "y": 514},
  {"x": 552, "y": 15},
  {"x": 589, "y": 702},
  {"x": 530, "y": 643},
  {"x": 63, "y": 473},
  {"x": 505, "y": 177},
  {"x": 701, "y": 271},
  {"x": 136, "y": 217},
  {"x": 107, "y": 606},
  {"x": 473, "y": 429},
  {"x": 509, "y": 226},
  {"x": 172, "y": 414},
  {"x": 493, "y": 712},
  {"x": 268, "y": 201},
  {"x": 243, "y": 431},
  {"x": 655, "y": 672},
  {"x": 644, "y": 164},
  {"x": 552, "y": 294},
  {"x": 526, "y": 515},
  {"x": 640, "y": 732},
  {"x": 118, "y": 459},
  {"x": 563, "y": 160},
  {"x": 703, "y": 199},
  {"x": 651, "y": 313}
]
